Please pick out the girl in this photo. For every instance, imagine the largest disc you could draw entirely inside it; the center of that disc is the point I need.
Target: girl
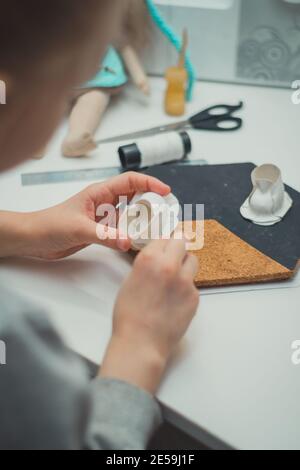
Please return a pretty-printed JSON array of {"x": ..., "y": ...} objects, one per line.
[{"x": 47, "y": 401}]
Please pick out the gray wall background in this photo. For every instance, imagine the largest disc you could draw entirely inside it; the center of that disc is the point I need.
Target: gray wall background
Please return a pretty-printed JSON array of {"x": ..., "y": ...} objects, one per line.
[{"x": 254, "y": 41}]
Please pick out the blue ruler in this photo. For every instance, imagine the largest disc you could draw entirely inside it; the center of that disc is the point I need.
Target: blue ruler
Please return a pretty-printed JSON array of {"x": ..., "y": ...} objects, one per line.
[{"x": 91, "y": 174}]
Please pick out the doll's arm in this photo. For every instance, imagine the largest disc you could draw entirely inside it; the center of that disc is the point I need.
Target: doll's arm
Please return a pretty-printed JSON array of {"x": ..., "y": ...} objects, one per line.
[{"x": 135, "y": 69}]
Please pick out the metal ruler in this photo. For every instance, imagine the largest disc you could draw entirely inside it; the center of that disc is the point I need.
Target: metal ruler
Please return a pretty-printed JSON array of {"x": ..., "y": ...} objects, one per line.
[{"x": 91, "y": 174}]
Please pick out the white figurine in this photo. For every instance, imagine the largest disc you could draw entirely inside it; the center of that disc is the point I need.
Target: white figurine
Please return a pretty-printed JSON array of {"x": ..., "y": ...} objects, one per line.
[{"x": 269, "y": 202}]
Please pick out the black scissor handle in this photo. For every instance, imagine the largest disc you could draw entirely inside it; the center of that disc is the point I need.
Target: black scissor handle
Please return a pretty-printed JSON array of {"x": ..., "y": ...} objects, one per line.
[
  {"x": 211, "y": 118},
  {"x": 221, "y": 124}
]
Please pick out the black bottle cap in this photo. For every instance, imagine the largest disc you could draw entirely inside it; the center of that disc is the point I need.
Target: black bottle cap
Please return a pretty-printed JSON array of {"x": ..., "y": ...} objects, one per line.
[
  {"x": 130, "y": 157},
  {"x": 187, "y": 143}
]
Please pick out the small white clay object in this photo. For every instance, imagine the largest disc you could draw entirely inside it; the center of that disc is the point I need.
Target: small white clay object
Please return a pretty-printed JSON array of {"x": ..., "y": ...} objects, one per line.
[
  {"x": 149, "y": 217},
  {"x": 269, "y": 202}
]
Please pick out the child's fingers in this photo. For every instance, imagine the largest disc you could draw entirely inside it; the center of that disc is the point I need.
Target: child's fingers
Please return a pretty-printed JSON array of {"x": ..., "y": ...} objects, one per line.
[
  {"x": 131, "y": 183},
  {"x": 155, "y": 248},
  {"x": 190, "y": 266},
  {"x": 107, "y": 236},
  {"x": 176, "y": 251},
  {"x": 127, "y": 184}
]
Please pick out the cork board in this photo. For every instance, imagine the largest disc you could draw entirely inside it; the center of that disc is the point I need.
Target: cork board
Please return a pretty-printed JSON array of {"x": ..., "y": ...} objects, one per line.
[{"x": 226, "y": 259}]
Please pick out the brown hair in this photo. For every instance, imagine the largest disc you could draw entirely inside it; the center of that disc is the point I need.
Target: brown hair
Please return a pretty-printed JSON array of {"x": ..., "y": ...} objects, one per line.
[{"x": 29, "y": 29}]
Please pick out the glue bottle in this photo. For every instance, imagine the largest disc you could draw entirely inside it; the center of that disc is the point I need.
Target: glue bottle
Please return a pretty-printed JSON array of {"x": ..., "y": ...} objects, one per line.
[{"x": 157, "y": 150}]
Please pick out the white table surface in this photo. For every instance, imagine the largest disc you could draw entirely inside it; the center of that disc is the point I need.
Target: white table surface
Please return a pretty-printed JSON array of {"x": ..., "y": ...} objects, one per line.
[{"x": 232, "y": 379}]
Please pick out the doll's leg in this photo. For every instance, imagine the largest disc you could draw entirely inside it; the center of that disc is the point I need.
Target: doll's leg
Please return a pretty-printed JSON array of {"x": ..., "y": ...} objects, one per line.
[{"x": 83, "y": 123}]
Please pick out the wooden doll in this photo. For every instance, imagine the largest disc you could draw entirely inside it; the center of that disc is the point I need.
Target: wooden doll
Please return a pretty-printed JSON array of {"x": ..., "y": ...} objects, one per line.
[{"x": 120, "y": 63}]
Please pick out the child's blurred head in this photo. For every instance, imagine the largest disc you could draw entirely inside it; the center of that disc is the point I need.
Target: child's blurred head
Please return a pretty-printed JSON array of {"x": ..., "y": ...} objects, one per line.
[{"x": 46, "y": 48}]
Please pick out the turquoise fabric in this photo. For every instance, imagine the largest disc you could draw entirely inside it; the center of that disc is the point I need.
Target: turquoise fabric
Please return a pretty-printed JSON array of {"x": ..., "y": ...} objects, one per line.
[{"x": 115, "y": 76}]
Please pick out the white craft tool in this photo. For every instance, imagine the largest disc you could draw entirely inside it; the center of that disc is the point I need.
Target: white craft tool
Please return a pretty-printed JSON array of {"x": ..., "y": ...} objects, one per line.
[{"x": 148, "y": 217}]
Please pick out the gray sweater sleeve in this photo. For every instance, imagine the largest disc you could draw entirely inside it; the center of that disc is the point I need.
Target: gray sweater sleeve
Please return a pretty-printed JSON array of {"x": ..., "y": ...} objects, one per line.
[
  {"x": 47, "y": 400},
  {"x": 124, "y": 417}
]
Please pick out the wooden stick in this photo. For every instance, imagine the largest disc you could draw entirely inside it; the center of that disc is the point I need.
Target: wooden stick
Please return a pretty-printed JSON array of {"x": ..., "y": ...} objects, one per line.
[{"x": 185, "y": 42}]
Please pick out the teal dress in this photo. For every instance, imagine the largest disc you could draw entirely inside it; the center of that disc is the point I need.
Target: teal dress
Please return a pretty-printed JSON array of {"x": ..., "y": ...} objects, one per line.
[{"x": 112, "y": 73}]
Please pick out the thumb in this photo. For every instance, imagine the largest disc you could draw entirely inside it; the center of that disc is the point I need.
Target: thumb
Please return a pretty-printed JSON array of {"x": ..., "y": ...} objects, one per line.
[{"x": 107, "y": 236}]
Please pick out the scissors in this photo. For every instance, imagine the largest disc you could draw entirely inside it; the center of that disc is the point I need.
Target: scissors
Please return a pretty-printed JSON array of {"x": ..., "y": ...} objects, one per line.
[{"x": 216, "y": 118}]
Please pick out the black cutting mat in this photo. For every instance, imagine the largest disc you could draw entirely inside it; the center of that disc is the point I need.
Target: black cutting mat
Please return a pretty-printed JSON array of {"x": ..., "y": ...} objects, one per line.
[{"x": 223, "y": 189}]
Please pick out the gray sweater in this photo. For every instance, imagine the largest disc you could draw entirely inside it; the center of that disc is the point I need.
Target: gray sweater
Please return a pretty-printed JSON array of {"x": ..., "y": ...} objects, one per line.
[{"x": 47, "y": 400}]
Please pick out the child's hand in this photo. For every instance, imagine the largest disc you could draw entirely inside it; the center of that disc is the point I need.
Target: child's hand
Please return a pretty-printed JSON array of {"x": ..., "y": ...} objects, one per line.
[
  {"x": 154, "y": 309},
  {"x": 71, "y": 226}
]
